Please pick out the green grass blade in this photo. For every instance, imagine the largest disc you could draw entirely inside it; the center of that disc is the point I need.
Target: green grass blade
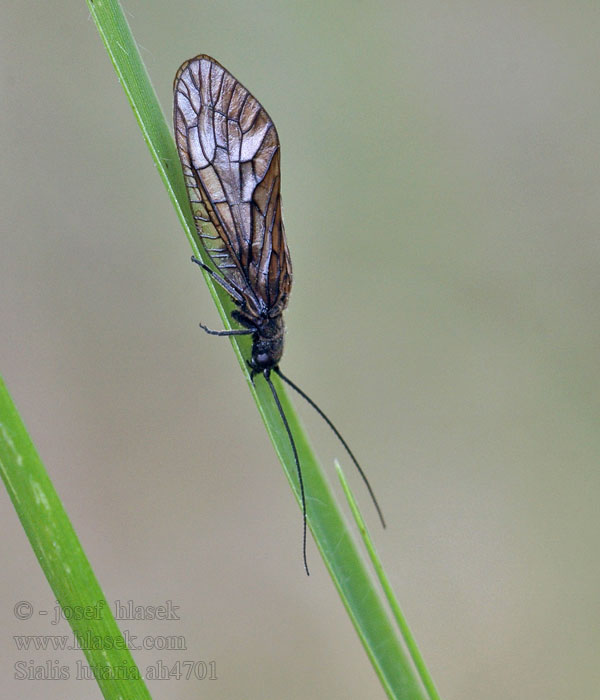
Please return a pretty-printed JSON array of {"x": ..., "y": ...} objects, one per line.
[
  {"x": 339, "y": 552},
  {"x": 62, "y": 559},
  {"x": 407, "y": 635}
]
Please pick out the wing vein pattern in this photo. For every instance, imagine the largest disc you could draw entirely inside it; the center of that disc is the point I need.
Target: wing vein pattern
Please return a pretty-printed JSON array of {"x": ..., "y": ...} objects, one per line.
[{"x": 230, "y": 154}]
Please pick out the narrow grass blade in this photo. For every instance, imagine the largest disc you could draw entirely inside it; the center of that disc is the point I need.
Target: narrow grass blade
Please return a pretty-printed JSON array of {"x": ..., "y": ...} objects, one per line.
[
  {"x": 63, "y": 560},
  {"x": 407, "y": 635},
  {"x": 339, "y": 551}
]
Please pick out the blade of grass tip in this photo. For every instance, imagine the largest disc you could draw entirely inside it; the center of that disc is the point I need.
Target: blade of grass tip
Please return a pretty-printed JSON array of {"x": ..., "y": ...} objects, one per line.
[
  {"x": 401, "y": 621},
  {"x": 63, "y": 560},
  {"x": 339, "y": 551},
  {"x": 127, "y": 62}
]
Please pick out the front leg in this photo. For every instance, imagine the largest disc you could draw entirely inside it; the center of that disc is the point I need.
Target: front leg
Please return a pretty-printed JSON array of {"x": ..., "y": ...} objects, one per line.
[
  {"x": 235, "y": 331},
  {"x": 240, "y": 317}
]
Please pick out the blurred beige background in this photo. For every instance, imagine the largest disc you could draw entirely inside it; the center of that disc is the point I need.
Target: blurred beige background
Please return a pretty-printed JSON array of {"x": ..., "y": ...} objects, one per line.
[{"x": 440, "y": 180}]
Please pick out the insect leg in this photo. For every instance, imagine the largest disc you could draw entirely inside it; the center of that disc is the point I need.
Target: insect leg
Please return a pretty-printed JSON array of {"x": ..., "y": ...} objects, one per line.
[
  {"x": 236, "y": 331},
  {"x": 230, "y": 290},
  {"x": 219, "y": 280}
]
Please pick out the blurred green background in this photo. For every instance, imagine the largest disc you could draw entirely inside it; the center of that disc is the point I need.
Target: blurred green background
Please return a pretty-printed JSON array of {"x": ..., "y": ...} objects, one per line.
[{"x": 440, "y": 185}]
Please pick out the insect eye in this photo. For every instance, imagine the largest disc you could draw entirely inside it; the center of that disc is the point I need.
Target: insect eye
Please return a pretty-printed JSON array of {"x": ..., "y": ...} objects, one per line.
[{"x": 262, "y": 358}]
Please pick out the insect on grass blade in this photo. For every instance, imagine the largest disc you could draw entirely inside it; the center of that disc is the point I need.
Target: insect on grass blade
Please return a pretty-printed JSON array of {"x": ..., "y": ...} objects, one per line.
[{"x": 229, "y": 151}]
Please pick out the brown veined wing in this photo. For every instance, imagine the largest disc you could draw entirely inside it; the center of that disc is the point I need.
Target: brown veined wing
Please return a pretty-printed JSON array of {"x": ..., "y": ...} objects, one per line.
[{"x": 229, "y": 149}]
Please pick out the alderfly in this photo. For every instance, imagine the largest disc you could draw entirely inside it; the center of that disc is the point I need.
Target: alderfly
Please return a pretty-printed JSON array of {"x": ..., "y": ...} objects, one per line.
[{"x": 229, "y": 151}]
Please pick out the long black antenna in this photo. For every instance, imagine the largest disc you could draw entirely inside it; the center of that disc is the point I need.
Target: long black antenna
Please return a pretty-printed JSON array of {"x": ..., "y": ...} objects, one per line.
[
  {"x": 266, "y": 374},
  {"x": 339, "y": 437}
]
